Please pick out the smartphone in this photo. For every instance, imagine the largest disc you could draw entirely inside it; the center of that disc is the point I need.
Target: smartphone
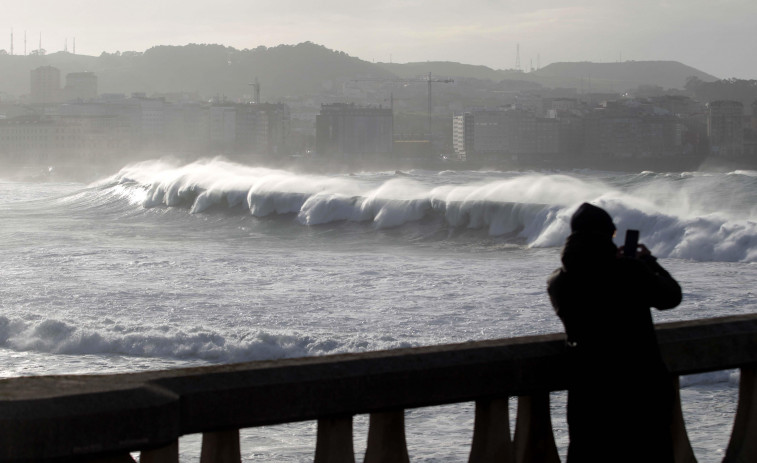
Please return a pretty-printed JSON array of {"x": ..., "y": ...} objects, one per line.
[{"x": 632, "y": 242}]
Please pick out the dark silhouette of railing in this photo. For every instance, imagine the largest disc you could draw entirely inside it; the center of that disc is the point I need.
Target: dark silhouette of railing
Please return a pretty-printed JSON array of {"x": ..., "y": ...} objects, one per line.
[{"x": 105, "y": 417}]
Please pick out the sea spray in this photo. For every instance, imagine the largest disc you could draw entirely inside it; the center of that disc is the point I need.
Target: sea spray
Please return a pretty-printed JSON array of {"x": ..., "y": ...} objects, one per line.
[{"x": 698, "y": 216}]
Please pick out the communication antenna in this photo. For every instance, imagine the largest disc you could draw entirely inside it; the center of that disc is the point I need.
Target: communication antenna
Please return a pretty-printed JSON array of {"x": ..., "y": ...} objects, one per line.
[
  {"x": 11, "y": 42},
  {"x": 65, "y": 44},
  {"x": 74, "y": 45},
  {"x": 25, "y": 44},
  {"x": 517, "y": 57}
]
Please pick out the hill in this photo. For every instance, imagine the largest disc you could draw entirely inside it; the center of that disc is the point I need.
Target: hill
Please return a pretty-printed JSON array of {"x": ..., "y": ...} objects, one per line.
[
  {"x": 599, "y": 77},
  {"x": 311, "y": 70},
  {"x": 617, "y": 77},
  {"x": 447, "y": 69},
  {"x": 305, "y": 69}
]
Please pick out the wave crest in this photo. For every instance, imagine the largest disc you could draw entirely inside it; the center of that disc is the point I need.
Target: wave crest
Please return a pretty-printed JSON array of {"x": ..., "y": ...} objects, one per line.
[
  {"x": 172, "y": 342},
  {"x": 675, "y": 217}
]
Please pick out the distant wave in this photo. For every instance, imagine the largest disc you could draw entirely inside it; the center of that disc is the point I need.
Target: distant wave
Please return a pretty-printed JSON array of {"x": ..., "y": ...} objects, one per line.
[
  {"x": 706, "y": 217},
  {"x": 173, "y": 342}
]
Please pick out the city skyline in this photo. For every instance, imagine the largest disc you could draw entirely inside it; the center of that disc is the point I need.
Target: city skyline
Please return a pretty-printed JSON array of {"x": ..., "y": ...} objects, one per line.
[{"x": 714, "y": 37}]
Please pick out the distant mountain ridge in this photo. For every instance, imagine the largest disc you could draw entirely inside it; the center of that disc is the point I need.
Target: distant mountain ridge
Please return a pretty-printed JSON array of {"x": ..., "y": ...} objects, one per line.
[
  {"x": 602, "y": 76},
  {"x": 308, "y": 69},
  {"x": 618, "y": 76}
]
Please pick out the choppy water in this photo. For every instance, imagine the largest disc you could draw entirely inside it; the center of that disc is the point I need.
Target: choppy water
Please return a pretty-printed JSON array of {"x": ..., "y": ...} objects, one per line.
[{"x": 165, "y": 265}]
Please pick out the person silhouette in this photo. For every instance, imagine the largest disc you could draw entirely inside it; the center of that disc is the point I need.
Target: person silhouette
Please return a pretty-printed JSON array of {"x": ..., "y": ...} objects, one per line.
[{"x": 620, "y": 394}]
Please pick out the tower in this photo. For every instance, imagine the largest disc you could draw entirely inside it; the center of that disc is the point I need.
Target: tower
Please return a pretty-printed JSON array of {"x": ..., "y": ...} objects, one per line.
[{"x": 517, "y": 57}]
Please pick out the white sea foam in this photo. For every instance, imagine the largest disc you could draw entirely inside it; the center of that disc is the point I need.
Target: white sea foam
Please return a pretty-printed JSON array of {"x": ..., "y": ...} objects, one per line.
[
  {"x": 55, "y": 336},
  {"x": 705, "y": 217}
]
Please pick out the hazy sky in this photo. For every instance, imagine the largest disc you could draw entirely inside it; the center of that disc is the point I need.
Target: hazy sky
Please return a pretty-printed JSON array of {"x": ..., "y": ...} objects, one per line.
[{"x": 715, "y": 36}]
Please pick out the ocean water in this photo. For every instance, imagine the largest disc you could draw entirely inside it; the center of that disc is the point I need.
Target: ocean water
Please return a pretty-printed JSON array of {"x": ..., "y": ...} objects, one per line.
[{"x": 165, "y": 265}]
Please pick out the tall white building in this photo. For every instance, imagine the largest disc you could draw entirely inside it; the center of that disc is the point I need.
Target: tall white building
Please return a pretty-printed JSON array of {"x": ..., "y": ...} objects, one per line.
[{"x": 462, "y": 135}]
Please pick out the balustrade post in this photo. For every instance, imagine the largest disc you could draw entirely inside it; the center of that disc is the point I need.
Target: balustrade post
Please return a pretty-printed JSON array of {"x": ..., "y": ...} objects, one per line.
[
  {"x": 386, "y": 438},
  {"x": 167, "y": 454},
  {"x": 743, "y": 444},
  {"x": 220, "y": 447},
  {"x": 491, "y": 432},
  {"x": 682, "y": 451},
  {"x": 334, "y": 441},
  {"x": 534, "y": 439}
]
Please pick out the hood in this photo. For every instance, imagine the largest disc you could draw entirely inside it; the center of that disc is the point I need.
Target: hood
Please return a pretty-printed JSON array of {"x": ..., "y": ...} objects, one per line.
[
  {"x": 590, "y": 218},
  {"x": 588, "y": 251}
]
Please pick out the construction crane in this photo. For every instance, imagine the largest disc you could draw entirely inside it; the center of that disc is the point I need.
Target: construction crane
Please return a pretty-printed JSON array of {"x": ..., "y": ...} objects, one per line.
[
  {"x": 430, "y": 106},
  {"x": 429, "y": 80}
]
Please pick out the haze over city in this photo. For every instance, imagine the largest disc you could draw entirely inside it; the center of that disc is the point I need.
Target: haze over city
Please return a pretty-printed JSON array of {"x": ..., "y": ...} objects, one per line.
[
  {"x": 365, "y": 200},
  {"x": 716, "y": 37}
]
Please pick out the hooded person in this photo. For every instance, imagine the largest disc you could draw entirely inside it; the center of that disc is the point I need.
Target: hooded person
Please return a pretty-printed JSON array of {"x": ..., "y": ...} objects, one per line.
[{"x": 620, "y": 397}]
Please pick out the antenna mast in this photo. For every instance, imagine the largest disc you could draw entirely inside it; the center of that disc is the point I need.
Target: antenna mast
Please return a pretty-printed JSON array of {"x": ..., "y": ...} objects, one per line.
[{"x": 517, "y": 57}]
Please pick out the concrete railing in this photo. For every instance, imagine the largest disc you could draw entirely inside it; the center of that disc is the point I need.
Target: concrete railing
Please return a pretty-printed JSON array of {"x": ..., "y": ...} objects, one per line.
[{"x": 107, "y": 417}]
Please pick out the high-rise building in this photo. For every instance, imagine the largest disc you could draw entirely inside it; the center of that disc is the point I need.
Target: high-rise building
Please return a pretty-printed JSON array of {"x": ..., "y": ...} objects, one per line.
[
  {"x": 262, "y": 128},
  {"x": 223, "y": 124},
  {"x": 725, "y": 128},
  {"x": 496, "y": 134},
  {"x": 462, "y": 135},
  {"x": 45, "y": 85},
  {"x": 350, "y": 132}
]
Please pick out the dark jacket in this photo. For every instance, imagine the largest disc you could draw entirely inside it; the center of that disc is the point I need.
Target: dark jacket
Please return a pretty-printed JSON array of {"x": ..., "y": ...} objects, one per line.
[{"x": 620, "y": 397}]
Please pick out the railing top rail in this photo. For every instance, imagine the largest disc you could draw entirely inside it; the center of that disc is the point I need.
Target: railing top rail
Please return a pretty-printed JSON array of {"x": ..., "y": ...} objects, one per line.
[{"x": 59, "y": 416}]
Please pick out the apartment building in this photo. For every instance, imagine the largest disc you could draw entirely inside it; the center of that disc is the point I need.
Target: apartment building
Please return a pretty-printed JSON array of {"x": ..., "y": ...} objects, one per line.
[
  {"x": 350, "y": 132},
  {"x": 725, "y": 128}
]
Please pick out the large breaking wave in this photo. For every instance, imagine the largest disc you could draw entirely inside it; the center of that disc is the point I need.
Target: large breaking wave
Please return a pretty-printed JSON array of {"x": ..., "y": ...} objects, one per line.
[{"x": 706, "y": 217}]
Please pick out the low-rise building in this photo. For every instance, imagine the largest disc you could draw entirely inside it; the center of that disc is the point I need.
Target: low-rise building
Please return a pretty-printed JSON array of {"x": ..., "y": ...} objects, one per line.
[
  {"x": 80, "y": 86},
  {"x": 53, "y": 139}
]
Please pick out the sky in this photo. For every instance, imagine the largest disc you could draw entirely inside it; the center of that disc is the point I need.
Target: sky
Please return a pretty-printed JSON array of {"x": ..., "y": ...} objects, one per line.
[{"x": 714, "y": 36}]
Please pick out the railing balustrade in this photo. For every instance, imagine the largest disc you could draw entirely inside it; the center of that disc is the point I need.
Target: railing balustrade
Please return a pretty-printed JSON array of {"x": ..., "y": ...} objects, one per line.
[{"x": 105, "y": 418}]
